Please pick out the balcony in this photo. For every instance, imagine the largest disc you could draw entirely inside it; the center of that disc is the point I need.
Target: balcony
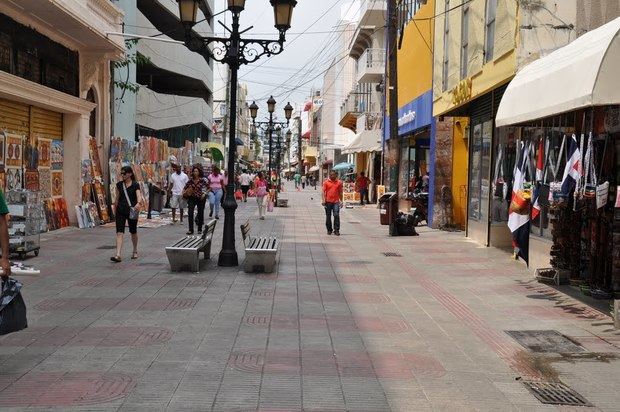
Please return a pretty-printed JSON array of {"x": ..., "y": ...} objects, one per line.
[
  {"x": 363, "y": 99},
  {"x": 371, "y": 66},
  {"x": 373, "y": 13},
  {"x": 372, "y": 18}
]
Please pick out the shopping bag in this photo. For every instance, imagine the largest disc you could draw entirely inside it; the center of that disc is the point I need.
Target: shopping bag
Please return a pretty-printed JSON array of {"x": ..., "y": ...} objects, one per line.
[
  {"x": 238, "y": 195},
  {"x": 12, "y": 307},
  {"x": 270, "y": 206},
  {"x": 602, "y": 195}
]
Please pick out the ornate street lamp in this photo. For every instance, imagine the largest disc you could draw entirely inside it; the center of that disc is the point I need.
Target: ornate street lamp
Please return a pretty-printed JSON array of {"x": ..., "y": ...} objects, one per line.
[{"x": 234, "y": 51}]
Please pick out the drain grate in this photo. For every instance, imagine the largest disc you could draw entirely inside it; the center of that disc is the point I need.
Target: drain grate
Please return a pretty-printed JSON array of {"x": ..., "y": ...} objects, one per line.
[
  {"x": 555, "y": 393},
  {"x": 392, "y": 254},
  {"x": 545, "y": 341},
  {"x": 105, "y": 247}
]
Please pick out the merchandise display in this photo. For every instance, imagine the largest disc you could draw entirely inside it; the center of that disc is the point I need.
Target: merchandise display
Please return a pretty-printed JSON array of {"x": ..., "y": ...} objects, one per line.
[{"x": 27, "y": 221}]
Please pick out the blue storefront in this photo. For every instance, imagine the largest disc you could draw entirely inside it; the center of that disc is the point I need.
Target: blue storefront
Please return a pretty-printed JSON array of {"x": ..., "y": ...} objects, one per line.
[{"x": 415, "y": 146}]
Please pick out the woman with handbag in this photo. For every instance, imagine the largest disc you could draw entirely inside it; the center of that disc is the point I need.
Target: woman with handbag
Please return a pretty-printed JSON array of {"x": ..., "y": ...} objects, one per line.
[
  {"x": 195, "y": 192},
  {"x": 260, "y": 186},
  {"x": 127, "y": 210}
]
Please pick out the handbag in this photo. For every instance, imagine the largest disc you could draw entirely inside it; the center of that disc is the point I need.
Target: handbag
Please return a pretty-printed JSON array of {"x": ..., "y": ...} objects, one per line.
[
  {"x": 134, "y": 214},
  {"x": 187, "y": 193}
]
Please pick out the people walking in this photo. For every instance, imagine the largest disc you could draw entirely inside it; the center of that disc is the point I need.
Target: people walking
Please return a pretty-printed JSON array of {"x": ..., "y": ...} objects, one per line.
[
  {"x": 178, "y": 180},
  {"x": 260, "y": 186},
  {"x": 245, "y": 179},
  {"x": 297, "y": 179},
  {"x": 332, "y": 200},
  {"x": 361, "y": 185},
  {"x": 304, "y": 180},
  {"x": 126, "y": 209},
  {"x": 216, "y": 185},
  {"x": 195, "y": 192}
]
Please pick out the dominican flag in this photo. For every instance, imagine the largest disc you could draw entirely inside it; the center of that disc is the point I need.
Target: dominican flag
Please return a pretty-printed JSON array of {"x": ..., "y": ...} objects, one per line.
[
  {"x": 573, "y": 170},
  {"x": 519, "y": 212},
  {"x": 540, "y": 165}
]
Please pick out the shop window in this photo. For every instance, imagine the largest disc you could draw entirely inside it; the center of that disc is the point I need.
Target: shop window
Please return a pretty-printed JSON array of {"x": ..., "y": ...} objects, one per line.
[
  {"x": 504, "y": 152},
  {"x": 480, "y": 167},
  {"x": 491, "y": 12}
]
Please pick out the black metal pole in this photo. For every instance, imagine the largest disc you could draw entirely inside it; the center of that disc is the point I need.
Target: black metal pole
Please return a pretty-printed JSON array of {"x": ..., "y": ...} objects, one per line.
[
  {"x": 299, "y": 164},
  {"x": 228, "y": 254},
  {"x": 392, "y": 89},
  {"x": 270, "y": 128}
]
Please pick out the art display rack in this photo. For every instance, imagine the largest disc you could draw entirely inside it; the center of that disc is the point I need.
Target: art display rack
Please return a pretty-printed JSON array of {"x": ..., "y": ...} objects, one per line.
[{"x": 27, "y": 222}]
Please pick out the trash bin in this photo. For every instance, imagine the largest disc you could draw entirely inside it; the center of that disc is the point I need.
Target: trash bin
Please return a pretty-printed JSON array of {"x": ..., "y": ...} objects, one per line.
[{"x": 388, "y": 207}]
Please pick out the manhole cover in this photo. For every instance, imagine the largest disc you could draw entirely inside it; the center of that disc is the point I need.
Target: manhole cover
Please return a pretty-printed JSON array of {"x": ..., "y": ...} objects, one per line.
[
  {"x": 545, "y": 341},
  {"x": 392, "y": 254},
  {"x": 106, "y": 247},
  {"x": 555, "y": 393}
]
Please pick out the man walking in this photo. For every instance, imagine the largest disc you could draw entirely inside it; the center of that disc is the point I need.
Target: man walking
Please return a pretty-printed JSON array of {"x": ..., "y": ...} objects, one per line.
[
  {"x": 332, "y": 195},
  {"x": 178, "y": 180},
  {"x": 297, "y": 179},
  {"x": 245, "y": 180},
  {"x": 361, "y": 184}
]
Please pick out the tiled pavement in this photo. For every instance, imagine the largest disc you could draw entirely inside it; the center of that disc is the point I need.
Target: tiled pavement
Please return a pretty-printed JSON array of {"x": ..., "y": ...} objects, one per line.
[{"x": 339, "y": 327}]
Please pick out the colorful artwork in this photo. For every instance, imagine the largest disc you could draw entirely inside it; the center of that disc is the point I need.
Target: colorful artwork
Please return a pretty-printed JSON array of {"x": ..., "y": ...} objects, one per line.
[
  {"x": 57, "y": 154},
  {"x": 50, "y": 215},
  {"x": 57, "y": 183},
  {"x": 87, "y": 171},
  {"x": 13, "y": 178},
  {"x": 2, "y": 181},
  {"x": 45, "y": 183},
  {"x": 102, "y": 204},
  {"x": 94, "y": 156},
  {"x": 45, "y": 152},
  {"x": 2, "y": 139},
  {"x": 31, "y": 178},
  {"x": 31, "y": 153},
  {"x": 86, "y": 192},
  {"x": 13, "y": 153}
]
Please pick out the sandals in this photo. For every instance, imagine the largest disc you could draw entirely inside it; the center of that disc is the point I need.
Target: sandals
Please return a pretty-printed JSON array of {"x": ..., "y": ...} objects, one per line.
[
  {"x": 116, "y": 259},
  {"x": 134, "y": 255}
]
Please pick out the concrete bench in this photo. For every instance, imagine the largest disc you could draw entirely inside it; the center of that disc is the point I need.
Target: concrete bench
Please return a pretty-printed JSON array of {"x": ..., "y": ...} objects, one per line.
[
  {"x": 184, "y": 255},
  {"x": 260, "y": 252}
]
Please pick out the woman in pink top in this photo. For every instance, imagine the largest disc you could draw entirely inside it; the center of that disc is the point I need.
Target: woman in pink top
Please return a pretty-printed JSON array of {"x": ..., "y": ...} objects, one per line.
[{"x": 216, "y": 184}]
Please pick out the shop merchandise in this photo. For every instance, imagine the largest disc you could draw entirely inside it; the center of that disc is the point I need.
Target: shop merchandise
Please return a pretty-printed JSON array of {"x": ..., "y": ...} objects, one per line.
[{"x": 57, "y": 154}]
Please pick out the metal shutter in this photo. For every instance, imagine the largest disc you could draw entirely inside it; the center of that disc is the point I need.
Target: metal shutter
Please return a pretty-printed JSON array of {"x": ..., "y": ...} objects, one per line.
[
  {"x": 14, "y": 117},
  {"x": 45, "y": 123}
]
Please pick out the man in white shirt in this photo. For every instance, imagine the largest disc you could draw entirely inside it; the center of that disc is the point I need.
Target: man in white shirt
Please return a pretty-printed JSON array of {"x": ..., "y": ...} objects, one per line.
[
  {"x": 178, "y": 180},
  {"x": 244, "y": 180}
]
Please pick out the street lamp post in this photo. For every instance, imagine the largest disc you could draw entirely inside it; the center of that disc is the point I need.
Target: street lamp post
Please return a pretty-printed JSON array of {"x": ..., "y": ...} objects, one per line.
[
  {"x": 234, "y": 51},
  {"x": 299, "y": 162}
]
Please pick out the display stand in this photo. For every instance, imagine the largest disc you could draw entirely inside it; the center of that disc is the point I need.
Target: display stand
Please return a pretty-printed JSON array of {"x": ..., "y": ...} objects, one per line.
[{"x": 27, "y": 222}]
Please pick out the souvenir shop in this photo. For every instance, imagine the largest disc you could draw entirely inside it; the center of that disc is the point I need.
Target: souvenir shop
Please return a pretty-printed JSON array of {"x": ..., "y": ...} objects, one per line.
[{"x": 565, "y": 142}]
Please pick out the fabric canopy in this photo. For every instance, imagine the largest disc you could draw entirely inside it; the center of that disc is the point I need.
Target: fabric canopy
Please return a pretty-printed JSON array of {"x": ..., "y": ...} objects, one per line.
[
  {"x": 343, "y": 166},
  {"x": 313, "y": 169},
  {"x": 217, "y": 150},
  {"x": 367, "y": 141},
  {"x": 580, "y": 74},
  {"x": 306, "y": 134}
]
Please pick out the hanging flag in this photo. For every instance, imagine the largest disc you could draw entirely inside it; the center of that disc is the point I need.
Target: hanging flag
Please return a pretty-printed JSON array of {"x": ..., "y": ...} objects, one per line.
[
  {"x": 540, "y": 165},
  {"x": 519, "y": 211},
  {"x": 573, "y": 170}
]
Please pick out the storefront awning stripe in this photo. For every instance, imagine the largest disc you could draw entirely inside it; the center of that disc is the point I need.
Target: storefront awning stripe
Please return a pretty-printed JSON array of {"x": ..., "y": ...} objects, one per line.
[
  {"x": 367, "y": 141},
  {"x": 580, "y": 74}
]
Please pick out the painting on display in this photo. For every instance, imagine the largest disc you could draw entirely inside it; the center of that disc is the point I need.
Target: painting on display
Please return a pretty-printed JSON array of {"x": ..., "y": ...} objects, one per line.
[
  {"x": 31, "y": 179},
  {"x": 87, "y": 171},
  {"x": 13, "y": 178},
  {"x": 31, "y": 153},
  {"x": 13, "y": 152},
  {"x": 45, "y": 183},
  {"x": 57, "y": 188},
  {"x": 45, "y": 152},
  {"x": 94, "y": 156},
  {"x": 2, "y": 181},
  {"x": 57, "y": 154},
  {"x": 2, "y": 138},
  {"x": 102, "y": 205}
]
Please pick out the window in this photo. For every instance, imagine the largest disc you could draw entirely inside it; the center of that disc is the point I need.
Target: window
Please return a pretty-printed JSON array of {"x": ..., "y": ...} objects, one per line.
[
  {"x": 446, "y": 58},
  {"x": 464, "y": 41},
  {"x": 490, "y": 29}
]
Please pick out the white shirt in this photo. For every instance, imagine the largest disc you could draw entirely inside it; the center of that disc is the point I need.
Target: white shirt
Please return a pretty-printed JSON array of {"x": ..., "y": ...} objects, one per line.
[
  {"x": 178, "y": 183},
  {"x": 245, "y": 179}
]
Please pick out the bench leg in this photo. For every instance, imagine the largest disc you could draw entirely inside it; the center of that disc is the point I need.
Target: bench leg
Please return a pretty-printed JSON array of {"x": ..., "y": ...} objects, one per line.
[{"x": 207, "y": 251}]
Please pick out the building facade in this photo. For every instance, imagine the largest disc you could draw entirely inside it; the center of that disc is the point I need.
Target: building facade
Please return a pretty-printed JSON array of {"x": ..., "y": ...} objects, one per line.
[{"x": 55, "y": 81}]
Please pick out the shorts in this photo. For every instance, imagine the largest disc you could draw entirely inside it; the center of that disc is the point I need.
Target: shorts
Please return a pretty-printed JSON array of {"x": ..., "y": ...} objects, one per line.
[
  {"x": 245, "y": 189},
  {"x": 120, "y": 224},
  {"x": 177, "y": 202}
]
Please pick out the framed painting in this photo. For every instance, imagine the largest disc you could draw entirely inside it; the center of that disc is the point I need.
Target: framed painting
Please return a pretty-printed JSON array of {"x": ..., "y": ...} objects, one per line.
[
  {"x": 45, "y": 152},
  {"x": 14, "y": 178},
  {"x": 57, "y": 183},
  {"x": 31, "y": 179},
  {"x": 2, "y": 152},
  {"x": 14, "y": 149},
  {"x": 57, "y": 154},
  {"x": 45, "y": 183}
]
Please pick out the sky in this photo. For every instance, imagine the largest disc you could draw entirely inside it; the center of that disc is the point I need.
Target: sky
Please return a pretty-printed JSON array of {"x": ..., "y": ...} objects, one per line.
[{"x": 308, "y": 51}]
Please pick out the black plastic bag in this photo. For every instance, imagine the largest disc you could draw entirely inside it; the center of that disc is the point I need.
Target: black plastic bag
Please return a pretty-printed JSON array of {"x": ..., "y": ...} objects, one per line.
[
  {"x": 405, "y": 225},
  {"x": 12, "y": 307}
]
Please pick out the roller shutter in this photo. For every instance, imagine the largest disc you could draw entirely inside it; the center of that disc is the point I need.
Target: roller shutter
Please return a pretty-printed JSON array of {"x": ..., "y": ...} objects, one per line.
[
  {"x": 14, "y": 117},
  {"x": 45, "y": 123}
]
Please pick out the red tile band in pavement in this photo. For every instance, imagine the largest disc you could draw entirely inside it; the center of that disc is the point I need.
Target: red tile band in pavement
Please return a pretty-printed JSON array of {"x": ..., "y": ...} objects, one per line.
[
  {"x": 130, "y": 303},
  {"x": 357, "y": 279},
  {"x": 100, "y": 336},
  {"x": 354, "y": 364},
  {"x": 335, "y": 323},
  {"x": 60, "y": 389}
]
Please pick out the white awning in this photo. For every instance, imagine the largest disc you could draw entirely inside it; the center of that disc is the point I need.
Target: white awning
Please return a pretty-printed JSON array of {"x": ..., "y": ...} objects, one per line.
[
  {"x": 581, "y": 74},
  {"x": 367, "y": 141},
  {"x": 313, "y": 169}
]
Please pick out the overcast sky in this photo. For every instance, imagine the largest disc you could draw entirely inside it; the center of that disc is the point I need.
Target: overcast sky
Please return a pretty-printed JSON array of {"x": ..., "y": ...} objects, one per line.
[{"x": 305, "y": 55}]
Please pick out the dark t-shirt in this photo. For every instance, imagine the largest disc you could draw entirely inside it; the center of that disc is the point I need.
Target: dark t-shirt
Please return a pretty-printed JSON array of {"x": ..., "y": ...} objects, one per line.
[{"x": 123, "y": 207}]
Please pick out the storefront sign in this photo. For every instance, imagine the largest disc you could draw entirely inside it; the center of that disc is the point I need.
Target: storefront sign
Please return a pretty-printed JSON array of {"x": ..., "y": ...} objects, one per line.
[
  {"x": 462, "y": 92},
  {"x": 406, "y": 118},
  {"x": 415, "y": 114}
]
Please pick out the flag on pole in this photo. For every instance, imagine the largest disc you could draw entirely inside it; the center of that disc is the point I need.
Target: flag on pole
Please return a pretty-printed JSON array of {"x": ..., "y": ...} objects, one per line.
[
  {"x": 519, "y": 211},
  {"x": 573, "y": 170},
  {"x": 540, "y": 165}
]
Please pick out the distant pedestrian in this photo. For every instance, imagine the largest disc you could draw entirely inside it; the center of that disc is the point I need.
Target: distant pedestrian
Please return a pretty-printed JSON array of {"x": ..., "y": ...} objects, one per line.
[
  {"x": 332, "y": 200},
  {"x": 217, "y": 182},
  {"x": 178, "y": 180},
  {"x": 195, "y": 192},
  {"x": 304, "y": 180},
  {"x": 297, "y": 179},
  {"x": 260, "y": 187},
  {"x": 244, "y": 180},
  {"x": 128, "y": 203},
  {"x": 361, "y": 185}
]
